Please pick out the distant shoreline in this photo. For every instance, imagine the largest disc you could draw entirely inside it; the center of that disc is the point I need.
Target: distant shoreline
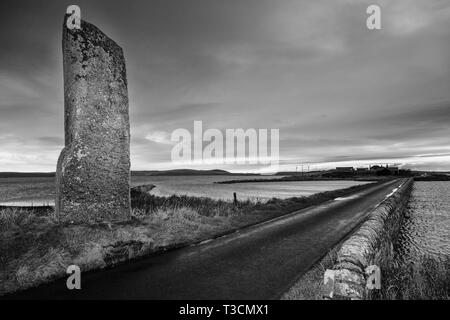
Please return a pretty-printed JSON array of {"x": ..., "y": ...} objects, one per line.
[
  {"x": 177, "y": 172},
  {"x": 296, "y": 179},
  {"x": 438, "y": 177},
  {"x": 285, "y": 176}
]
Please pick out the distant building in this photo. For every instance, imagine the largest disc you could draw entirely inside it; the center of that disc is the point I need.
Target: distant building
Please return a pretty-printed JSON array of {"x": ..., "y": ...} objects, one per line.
[
  {"x": 381, "y": 170},
  {"x": 344, "y": 169},
  {"x": 362, "y": 170},
  {"x": 393, "y": 170},
  {"x": 376, "y": 168}
]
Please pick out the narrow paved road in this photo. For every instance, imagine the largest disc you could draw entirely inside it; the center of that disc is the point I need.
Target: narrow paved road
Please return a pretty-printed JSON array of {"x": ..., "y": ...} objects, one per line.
[{"x": 259, "y": 262}]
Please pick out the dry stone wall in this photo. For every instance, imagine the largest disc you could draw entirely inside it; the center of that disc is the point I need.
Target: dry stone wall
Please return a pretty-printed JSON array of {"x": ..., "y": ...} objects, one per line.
[{"x": 363, "y": 248}]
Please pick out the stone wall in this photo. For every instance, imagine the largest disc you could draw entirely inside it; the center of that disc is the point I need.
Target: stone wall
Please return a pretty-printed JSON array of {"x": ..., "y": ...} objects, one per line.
[{"x": 366, "y": 246}]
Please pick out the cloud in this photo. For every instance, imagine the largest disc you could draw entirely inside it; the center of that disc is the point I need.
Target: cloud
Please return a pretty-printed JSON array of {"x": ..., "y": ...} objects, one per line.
[
  {"x": 159, "y": 137},
  {"x": 190, "y": 110},
  {"x": 51, "y": 141},
  {"x": 405, "y": 17},
  {"x": 336, "y": 90}
]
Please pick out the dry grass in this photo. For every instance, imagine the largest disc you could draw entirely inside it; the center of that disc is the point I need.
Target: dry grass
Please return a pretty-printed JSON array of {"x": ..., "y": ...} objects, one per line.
[
  {"x": 36, "y": 249},
  {"x": 428, "y": 278},
  {"x": 310, "y": 285},
  {"x": 209, "y": 207}
]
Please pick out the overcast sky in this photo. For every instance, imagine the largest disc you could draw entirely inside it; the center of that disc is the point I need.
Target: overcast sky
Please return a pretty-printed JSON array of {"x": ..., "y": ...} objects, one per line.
[{"x": 340, "y": 94}]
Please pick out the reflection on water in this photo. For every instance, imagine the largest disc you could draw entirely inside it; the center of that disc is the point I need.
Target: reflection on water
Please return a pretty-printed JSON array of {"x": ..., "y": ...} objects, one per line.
[{"x": 426, "y": 227}]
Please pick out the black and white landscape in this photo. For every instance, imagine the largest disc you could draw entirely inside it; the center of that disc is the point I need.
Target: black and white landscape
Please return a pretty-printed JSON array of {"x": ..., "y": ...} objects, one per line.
[{"x": 225, "y": 150}]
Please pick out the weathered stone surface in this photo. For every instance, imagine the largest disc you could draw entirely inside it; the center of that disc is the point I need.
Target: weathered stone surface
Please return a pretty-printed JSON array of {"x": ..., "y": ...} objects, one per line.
[
  {"x": 328, "y": 284},
  {"x": 93, "y": 171},
  {"x": 348, "y": 285}
]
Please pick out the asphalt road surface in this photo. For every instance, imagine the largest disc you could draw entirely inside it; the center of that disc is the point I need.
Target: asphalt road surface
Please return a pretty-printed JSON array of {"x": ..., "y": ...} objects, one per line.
[{"x": 259, "y": 262}]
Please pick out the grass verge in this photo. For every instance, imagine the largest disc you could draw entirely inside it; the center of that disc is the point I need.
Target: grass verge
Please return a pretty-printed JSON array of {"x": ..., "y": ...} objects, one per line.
[
  {"x": 310, "y": 285},
  {"x": 426, "y": 278},
  {"x": 35, "y": 248}
]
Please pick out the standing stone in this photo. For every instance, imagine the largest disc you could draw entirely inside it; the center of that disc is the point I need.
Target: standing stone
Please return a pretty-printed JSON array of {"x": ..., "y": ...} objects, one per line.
[{"x": 93, "y": 171}]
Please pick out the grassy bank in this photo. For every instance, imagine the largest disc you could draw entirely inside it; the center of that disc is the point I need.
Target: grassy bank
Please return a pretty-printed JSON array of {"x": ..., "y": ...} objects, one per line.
[
  {"x": 35, "y": 248},
  {"x": 310, "y": 285},
  {"x": 427, "y": 278},
  {"x": 144, "y": 203}
]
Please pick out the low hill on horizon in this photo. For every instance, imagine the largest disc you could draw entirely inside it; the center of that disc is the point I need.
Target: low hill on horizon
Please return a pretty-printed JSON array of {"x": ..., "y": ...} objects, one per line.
[
  {"x": 175, "y": 172},
  {"x": 180, "y": 172},
  {"x": 27, "y": 174}
]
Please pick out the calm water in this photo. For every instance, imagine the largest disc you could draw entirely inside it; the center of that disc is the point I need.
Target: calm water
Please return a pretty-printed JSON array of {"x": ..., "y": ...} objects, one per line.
[
  {"x": 40, "y": 191},
  {"x": 426, "y": 227},
  {"x": 27, "y": 191},
  {"x": 204, "y": 187}
]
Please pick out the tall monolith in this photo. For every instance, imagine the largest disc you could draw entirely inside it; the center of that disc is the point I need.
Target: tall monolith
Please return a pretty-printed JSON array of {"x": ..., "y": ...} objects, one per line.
[{"x": 93, "y": 171}]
